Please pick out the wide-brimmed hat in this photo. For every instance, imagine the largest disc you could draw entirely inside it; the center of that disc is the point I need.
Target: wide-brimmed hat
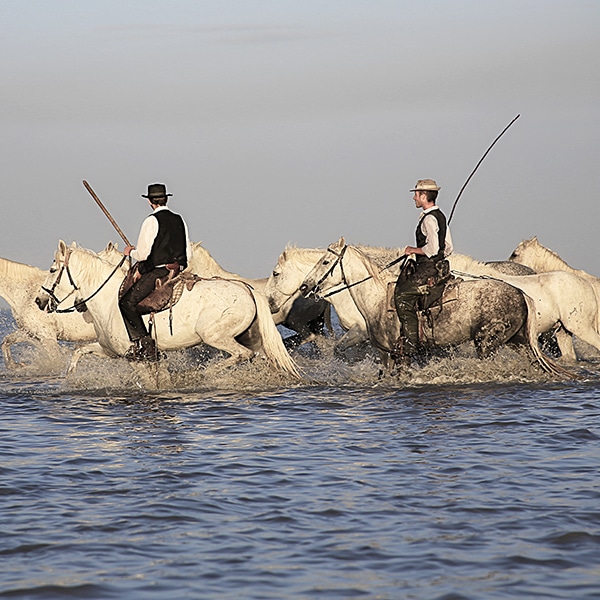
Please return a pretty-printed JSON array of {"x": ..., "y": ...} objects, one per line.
[
  {"x": 156, "y": 190},
  {"x": 424, "y": 185}
]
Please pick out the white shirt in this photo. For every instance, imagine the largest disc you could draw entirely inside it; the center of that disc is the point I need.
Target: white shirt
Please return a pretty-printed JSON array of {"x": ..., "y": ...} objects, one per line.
[
  {"x": 430, "y": 228},
  {"x": 148, "y": 233}
]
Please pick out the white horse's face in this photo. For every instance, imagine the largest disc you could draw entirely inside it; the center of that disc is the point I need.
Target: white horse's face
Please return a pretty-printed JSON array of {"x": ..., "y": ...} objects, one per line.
[
  {"x": 327, "y": 272},
  {"x": 524, "y": 250},
  {"x": 56, "y": 286},
  {"x": 283, "y": 283}
]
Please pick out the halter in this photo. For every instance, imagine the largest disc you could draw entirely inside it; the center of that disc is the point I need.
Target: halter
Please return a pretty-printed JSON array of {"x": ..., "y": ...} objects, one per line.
[
  {"x": 346, "y": 285},
  {"x": 65, "y": 267},
  {"x": 338, "y": 260}
]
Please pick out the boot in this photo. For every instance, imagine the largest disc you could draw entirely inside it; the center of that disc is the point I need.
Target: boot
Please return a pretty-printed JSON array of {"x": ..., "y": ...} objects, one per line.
[
  {"x": 399, "y": 355},
  {"x": 148, "y": 348},
  {"x": 142, "y": 349}
]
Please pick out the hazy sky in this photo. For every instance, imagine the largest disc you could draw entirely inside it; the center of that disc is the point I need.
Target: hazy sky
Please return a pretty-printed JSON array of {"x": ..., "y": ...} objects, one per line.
[{"x": 280, "y": 121}]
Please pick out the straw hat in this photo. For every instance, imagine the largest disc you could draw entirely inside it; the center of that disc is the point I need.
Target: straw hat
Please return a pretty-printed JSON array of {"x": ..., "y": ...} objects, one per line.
[{"x": 424, "y": 185}]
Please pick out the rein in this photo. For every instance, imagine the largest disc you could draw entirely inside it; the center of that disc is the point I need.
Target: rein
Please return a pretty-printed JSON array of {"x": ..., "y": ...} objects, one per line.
[
  {"x": 346, "y": 285},
  {"x": 65, "y": 267}
]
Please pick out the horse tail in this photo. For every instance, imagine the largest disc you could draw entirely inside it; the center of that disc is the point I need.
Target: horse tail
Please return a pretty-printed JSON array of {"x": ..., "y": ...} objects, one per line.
[
  {"x": 272, "y": 342},
  {"x": 545, "y": 362}
]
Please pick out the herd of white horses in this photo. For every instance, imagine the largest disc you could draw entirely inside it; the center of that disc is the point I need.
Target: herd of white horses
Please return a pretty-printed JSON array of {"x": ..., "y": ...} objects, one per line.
[{"x": 490, "y": 303}]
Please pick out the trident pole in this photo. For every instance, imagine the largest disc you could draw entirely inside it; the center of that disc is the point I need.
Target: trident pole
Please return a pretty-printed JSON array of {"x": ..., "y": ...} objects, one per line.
[
  {"x": 88, "y": 187},
  {"x": 477, "y": 166}
]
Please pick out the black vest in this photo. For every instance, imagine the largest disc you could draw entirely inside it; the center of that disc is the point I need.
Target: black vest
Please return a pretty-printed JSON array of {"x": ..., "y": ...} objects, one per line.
[
  {"x": 170, "y": 243},
  {"x": 422, "y": 240}
]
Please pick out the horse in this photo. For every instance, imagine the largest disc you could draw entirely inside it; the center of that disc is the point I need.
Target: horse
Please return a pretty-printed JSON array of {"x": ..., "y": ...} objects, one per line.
[
  {"x": 295, "y": 263},
  {"x": 488, "y": 312},
  {"x": 306, "y": 317},
  {"x": 565, "y": 302},
  {"x": 532, "y": 254},
  {"x": 224, "y": 314},
  {"x": 19, "y": 284}
]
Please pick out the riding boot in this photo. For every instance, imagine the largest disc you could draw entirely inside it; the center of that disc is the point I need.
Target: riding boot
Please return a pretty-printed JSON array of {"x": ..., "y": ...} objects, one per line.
[
  {"x": 148, "y": 348},
  {"x": 398, "y": 354},
  {"x": 142, "y": 349}
]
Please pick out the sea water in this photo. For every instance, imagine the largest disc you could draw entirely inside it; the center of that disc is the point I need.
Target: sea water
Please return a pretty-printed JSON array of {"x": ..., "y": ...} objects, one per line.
[{"x": 462, "y": 479}]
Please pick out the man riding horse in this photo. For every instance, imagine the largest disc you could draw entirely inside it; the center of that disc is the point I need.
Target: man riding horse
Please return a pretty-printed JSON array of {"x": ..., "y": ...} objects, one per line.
[
  {"x": 429, "y": 267},
  {"x": 163, "y": 246}
]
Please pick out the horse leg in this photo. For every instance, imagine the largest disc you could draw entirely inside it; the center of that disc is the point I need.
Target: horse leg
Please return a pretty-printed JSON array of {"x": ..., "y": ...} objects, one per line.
[
  {"x": 237, "y": 352},
  {"x": 95, "y": 349},
  {"x": 9, "y": 340},
  {"x": 565, "y": 344},
  {"x": 49, "y": 346},
  {"x": 489, "y": 337},
  {"x": 355, "y": 335}
]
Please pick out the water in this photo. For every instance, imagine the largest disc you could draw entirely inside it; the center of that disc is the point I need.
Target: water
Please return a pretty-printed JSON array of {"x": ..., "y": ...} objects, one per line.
[{"x": 466, "y": 480}]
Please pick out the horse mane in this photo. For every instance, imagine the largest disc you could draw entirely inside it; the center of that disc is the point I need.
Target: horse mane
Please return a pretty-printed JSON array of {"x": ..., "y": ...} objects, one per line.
[
  {"x": 541, "y": 258},
  {"x": 93, "y": 263},
  {"x": 372, "y": 266},
  {"x": 380, "y": 255},
  {"x": 462, "y": 263},
  {"x": 11, "y": 270},
  {"x": 205, "y": 265},
  {"x": 305, "y": 256}
]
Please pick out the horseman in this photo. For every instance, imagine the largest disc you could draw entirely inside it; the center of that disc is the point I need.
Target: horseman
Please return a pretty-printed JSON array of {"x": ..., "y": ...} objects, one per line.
[
  {"x": 428, "y": 268},
  {"x": 163, "y": 246}
]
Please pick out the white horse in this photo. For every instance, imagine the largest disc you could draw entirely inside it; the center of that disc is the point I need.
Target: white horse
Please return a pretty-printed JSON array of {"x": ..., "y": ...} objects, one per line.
[
  {"x": 284, "y": 282},
  {"x": 295, "y": 263},
  {"x": 306, "y": 317},
  {"x": 561, "y": 298},
  {"x": 541, "y": 259},
  {"x": 488, "y": 312},
  {"x": 19, "y": 285},
  {"x": 223, "y": 314}
]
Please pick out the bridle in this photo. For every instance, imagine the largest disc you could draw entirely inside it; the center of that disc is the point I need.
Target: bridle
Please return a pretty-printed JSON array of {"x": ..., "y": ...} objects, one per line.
[
  {"x": 345, "y": 285},
  {"x": 64, "y": 268}
]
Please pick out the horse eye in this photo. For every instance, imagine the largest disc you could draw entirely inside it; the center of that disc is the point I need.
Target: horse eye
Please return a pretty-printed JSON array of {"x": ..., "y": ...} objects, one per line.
[
  {"x": 275, "y": 274},
  {"x": 52, "y": 270}
]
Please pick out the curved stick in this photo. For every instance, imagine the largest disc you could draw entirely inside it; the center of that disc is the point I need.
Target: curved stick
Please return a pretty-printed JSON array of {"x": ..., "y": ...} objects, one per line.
[
  {"x": 88, "y": 187},
  {"x": 477, "y": 166}
]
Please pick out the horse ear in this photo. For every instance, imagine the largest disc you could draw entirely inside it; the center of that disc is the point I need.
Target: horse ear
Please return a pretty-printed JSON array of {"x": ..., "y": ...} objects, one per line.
[{"x": 62, "y": 246}]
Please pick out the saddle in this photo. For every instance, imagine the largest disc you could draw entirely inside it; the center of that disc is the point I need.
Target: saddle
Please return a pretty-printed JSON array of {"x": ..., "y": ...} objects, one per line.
[
  {"x": 167, "y": 290},
  {"x": 435, "y": 295}
]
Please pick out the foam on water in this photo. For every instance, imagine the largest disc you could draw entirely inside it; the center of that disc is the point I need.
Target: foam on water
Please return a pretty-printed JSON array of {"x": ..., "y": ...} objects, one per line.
[
  {"x": 202, "y": 368},
  {"x": 197, "y": 369}
]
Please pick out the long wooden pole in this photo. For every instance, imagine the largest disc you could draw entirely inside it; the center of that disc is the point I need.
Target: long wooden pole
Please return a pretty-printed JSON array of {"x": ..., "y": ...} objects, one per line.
[
  {"x": 477, "y": 166},
  {"x": 88, "y": 187}
]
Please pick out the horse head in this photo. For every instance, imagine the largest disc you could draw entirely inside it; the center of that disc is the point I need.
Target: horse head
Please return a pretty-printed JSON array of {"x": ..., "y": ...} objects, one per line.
[
  {"x": 524, "y": 247},
  {"x": 54, "y": 286},
  {"x": 324, "y": 275},
  {"x": 283, "y": 283}
]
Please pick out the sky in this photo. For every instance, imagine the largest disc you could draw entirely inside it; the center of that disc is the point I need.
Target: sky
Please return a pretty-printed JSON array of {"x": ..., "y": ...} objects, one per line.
[{"x": 276, "y": 122}]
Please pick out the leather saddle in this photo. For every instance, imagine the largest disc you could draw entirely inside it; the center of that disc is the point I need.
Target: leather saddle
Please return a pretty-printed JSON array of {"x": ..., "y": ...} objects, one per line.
[
  {"x": 167, "y": 290},
  {"x": 444, "y": 290}
]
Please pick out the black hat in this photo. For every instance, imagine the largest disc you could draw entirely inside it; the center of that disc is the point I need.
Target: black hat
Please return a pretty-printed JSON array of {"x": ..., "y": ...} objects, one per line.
[{"x": 156, "y": 190}]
